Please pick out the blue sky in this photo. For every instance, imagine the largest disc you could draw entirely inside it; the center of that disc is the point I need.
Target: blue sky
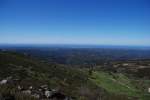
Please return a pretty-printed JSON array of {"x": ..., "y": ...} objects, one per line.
[{"x": 107, "y": 22}]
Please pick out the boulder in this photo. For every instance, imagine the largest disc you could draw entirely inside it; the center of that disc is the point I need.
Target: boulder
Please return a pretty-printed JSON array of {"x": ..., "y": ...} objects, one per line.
[
  {"x": 3, "y": 81},
  {"x": 48, "y": 93}
]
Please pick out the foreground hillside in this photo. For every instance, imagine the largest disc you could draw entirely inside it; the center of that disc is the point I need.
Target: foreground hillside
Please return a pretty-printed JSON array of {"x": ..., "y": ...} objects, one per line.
[
  {"x": 25, "y": 78},
  {"x": 70, "y": 82}
]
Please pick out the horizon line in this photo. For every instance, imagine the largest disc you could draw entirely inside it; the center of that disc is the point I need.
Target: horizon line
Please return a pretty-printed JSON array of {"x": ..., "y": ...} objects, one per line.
[{"x": 73, "y": 44}]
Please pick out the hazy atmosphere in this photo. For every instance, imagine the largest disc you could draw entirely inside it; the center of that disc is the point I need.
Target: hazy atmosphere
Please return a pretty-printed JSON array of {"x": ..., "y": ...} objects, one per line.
[{"x": 104, "y": 22}]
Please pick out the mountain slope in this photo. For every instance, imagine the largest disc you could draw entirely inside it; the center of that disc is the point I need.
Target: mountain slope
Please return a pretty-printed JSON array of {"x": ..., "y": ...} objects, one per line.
[{"x": 71, "y": 82}]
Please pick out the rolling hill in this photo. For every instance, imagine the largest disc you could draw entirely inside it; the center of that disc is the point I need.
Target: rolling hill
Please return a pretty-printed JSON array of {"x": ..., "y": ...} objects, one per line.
[{"x": 74, "y": 83}]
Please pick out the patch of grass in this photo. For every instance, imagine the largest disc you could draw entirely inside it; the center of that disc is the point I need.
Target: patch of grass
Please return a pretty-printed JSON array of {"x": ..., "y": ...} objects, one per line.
[
  {"x": 120, "y": 84},
  {"x": 115, "y": 83}
]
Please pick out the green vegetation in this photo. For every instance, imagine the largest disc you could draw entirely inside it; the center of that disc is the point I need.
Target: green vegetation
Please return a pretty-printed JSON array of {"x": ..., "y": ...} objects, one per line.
[
  {"x": 71, "y": 81},
  {"x": 118, "y": 84},
  {"x": 74, "y": 82},
  {"x": 10, "y": 93}
]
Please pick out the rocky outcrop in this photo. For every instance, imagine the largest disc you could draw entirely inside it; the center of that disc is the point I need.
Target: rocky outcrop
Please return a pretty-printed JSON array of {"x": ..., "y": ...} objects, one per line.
[{"x": 40, "y": 93}]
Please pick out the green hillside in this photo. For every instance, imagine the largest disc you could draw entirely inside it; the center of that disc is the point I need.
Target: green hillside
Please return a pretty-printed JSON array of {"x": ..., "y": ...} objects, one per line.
[
  {"x": 72, "y": 82},
  {"x": 120, "y": 84}
]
